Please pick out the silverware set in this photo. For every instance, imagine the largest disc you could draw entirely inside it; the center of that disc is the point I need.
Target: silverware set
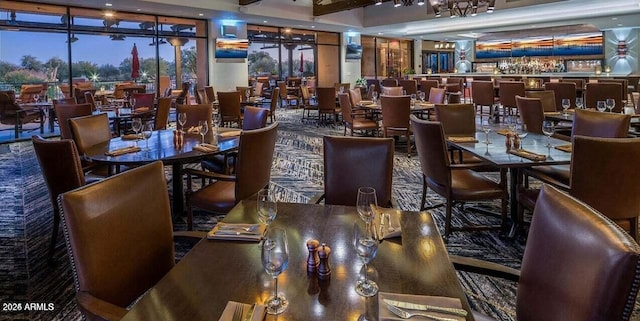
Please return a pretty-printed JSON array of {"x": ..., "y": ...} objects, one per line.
[{"x": 407, "y": 315}]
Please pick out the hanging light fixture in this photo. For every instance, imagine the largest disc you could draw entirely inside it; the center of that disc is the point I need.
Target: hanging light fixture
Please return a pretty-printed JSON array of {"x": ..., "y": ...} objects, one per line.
[
  {"x": 378, "y": 2},
  {"x": 461, "y": 8}
]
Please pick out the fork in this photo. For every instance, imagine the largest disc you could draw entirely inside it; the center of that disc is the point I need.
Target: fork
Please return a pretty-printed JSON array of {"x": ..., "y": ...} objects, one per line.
[
  {"x": 231, "y": 227},
  {"x": 406, "y": 315},
  {"x": 238, "y": 312}
]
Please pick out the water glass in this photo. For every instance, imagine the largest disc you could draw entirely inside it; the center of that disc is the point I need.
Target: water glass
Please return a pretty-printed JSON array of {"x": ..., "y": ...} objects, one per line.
[
  {"x": 548, "y": 128},
  {"x": 601, "y": 106},
  {"x": 182, "y": 119},
  {"x": 610, "y": 103},
  {"x": 374, "y": 95},
  {"x": 366, "y": 204},
  {"x": 203, "y": 127},
  {"x": 421, "y": 95},
  {"x": 136, "y": 125},
  {"x": 579, "y": 103},
  {"x": 522, "y": 132},
  {"x": 366, "y": 247},
  {"x": 266, "y": 206},
  {"x": 275, "y": 258},
  {"x": 147, "y": 129},
  {"x": 566, "y": 103},
  {"x": 486, "y": 128}
]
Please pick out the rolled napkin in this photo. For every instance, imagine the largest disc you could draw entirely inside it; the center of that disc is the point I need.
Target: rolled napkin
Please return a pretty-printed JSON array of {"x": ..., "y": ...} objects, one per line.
[
  {"x": 206, "y": 148},
  {"x": 193, "y": 130},
  {"x": 565, "y": 148},
  {"x": 141, "y": 110},
  {"x": 462, "y": 139},
  {"x": 122, "y": 151},
  {"x": 528, "y": 155},
  {"x": 431, "y": 305},
  {"x": 256, "y": 311},
  {"x": 237, "y": 232},
  {"x": 130, "y": 137},
  {"x": 365, "y": 102},
  {"x": 389, "y": 223},
  {"x": 231, "y": 133}
]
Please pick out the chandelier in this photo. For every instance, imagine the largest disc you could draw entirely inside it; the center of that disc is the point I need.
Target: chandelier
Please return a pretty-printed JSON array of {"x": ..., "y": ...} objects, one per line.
[{"x": 461, "y": 8}]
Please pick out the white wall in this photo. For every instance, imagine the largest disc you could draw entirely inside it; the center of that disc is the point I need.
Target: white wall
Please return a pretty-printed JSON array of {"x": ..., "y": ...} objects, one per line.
[
  {"x": 226, "y": 74},
  {"x": 351, "y": 69}
]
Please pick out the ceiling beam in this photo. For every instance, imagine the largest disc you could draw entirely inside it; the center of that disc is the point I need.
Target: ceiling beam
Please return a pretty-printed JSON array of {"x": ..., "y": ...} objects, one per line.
[
  {"x": 247, "y": 2},
  {"x": 322, "y": 9}
]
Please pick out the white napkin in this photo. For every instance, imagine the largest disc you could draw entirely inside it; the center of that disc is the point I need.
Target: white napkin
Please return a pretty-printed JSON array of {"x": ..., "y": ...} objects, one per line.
[
  {"x": 237, "y": 232},
  {"x": 388, "y": 223},
  {"x": 259, "y": 311}
]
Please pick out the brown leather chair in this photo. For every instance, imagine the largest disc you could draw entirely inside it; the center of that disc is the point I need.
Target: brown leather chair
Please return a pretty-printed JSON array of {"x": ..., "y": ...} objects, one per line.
[
  {"x": 577, "y": 81},
  {"x": 391, "y": 91},
  {"x": 354, "y": 121},
  {"x": 273, "y": 104},
  {"x": 562, "y": 90},
  {"x": 64, "y": 101},
  {"x": 482, "y": 94},
  {"x": 531, "y": 113},
  {"x": 88, "y": 131},
  {"x": 602, "y": 91},
  {"x": 353, "y": 162},
  {"x": 577, "y": 265},
  {"x": 80, "y": 94},
  {"x": 459, "y": 120},
  {"x": 455, "y": 85},
  {"x": 162, "y": 113},
  {"x": 410, "y": 86},
  {"x": 62, "y": 172},
  {"x": 28, "y": 92},
  {"x": 115, "y": 257},
  {"x": 211, "y": 95},
  {"x": 508, "y": 92},
  {"x": 12, "y": 114},
  {"x": 257, "y": 89},
  {"x": 182, "y": 98},
  {"x": 89, "y": 99},
  {"x": 426, "y": 85},
  {"x": 229, "y": 107},
  {"x": 201, "y": 96},
  {"x": 254, "y": 118},
  {"x": 389, "y": 82},
  {"x": 327, "y": 103},
  {"x": 285, "y": 97},
  {"x": 436, "y": 95},
  {"x": 66, "y": 112},
  {"x": 624, "y": 85},
  {"x": 395, "y": 118},
  {"x": 143, "y": 100},
  {"x": 355, "y": 96},
  {"x": 243, "y": 92},
  {"x": 456, "y": 183},
  {"x": 196, "y": 114},
  {"x": 547, "y": 99},
  {"x": 252, "y": 173},
  {"x": 345, "y": 87},
  {"x": 597, "y": 162}
]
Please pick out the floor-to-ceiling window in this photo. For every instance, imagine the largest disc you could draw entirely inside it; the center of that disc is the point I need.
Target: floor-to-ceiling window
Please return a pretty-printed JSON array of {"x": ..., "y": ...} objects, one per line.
[{"x": 383, "y": 57}]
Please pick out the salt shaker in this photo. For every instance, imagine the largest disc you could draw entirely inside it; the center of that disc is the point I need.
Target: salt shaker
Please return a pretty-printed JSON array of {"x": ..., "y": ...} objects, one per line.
[
  {"x": 508, "y": 140},
  {"x": 324, "y": 269},
  {"x": 313, "y": 260}
]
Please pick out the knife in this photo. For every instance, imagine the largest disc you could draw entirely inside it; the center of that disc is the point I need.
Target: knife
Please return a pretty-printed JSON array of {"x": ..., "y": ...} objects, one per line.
[
  {"x": 231, "y": 232},
  {"x": 424, "y": 307}
]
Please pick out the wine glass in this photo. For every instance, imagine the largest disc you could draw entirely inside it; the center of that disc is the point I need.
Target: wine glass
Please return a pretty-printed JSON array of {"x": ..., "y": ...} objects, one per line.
[
  {"x": 366, "y": 247},
  {"x": 421, "y": 95},
  {"x": 566, "y": 103},
  {"x": 36, "y": 97},
  {"x": 182, "y": 119},
  {"x": 579, "y": 103},
  {"x": 610, "y": 103},
  {"x": 601, "y": 106},
  {"x": 267, "y": 206},
  {"x": 203, "y": 127},
  {"x": 374, "y": 96},
  {"x": 136, "y": 125},
  {"x": 548, "y": 128},
  {"x": 247, "y": 93},
  {"x": 487, "y": 129},
  {"x": 132, "y": 102},
  {"x": 275, "y": 258},
  {"x": 522, "y": 132},
  {"x": 147, "y": 129},
  {"x": 366, "y": 205}
]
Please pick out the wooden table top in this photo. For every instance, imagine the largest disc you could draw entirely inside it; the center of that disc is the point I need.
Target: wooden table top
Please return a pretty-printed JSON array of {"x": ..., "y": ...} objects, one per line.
[{"x": 214, "y": 272}]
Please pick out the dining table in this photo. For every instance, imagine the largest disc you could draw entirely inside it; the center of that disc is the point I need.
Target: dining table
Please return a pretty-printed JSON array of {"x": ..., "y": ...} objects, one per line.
[
  {"x": 161, "y": 148},
  {"x": 496, "y": 154},
  {"x": 215, "y": 272}
]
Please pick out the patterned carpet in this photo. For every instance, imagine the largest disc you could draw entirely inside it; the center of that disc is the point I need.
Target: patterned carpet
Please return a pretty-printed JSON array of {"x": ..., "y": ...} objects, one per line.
[{"x": 25, "y": 221}]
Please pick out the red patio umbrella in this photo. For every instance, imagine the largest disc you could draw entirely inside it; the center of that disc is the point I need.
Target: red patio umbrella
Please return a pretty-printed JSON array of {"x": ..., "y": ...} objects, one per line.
[
  {"x": 135, "y": 63},
  {"x": 301, "y": 69}
]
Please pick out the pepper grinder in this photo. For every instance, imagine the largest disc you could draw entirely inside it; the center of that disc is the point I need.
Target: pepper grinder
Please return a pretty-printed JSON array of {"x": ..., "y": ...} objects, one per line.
[
  {"x": 324, "y": 269},
  {"x": 313, "y": 260}
]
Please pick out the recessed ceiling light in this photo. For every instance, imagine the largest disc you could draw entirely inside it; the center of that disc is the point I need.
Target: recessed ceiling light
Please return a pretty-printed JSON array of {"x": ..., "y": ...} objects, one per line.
[
  {"x": 614, "y": 18},
  {"x": 380, "y": 33},
  {"x": 619, "y": 25},
  {"x": 313, "y": 27},
  {"x": 108, "y": 14},
  {"x": 200, "y": 14},
  {"x": 108, "y": 4},
  {"x": 138, "y": 9},
  {"x": 265, "y": 21}
]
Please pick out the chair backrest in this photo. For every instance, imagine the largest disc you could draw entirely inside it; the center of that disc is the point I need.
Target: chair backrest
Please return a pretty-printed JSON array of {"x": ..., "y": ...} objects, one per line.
[
  {"x": 254, "y": 118},
  {"x": 229, "y": 105},
  {"x": 395, "y": 111},
  {"x": 592, "y": 171},
  {"x": 455, "y": 84},
  {"x": 80, "y": 94},
  {"x": 508, "y": 92},
  {"x": 391, "y": 91},
  {"x": 65, "y": 89},
  {"x": 201, "y": 97},
  {"x": 89, "y": 99},
  {"x": 162, "y": 113},
  {"x": 345, "y": 108},
  {"x": 410, "y": 86},
  {"x": 183, "y": 95},
  {"x": 624, "y": 85},
  {"x": 304, "y": 93},
  {"x": 243, "y": 91},
  {"x": 353, "y": 162},
  {"x": 356, "y": 96},
  {"x": 90, "y": 130},
  {"x": 547, "y": 99},
  {"x": 432, "y": 151},
  {"x": 283, "y": 90},
  {"x": 345, "y": 87},
  {"x": 257, "y": 89},
  {"x": 195, "y": 114},
  {"x": 211, "y": 94},
  {"x": 274, "y": 100},
  {"x": 143, "y": 100},
  {"x": 577, "y": 264},
  {"x": 426, "y": 85},
  {"x": 61, "y": 167},
  {"x": 255, "y": 157},
  {"x": 66, "y": 112},
  {"x": 64, "y": 101},
  {"x": 370, "y": 91},
  {"x": 482, "y": 92},
  {"x": 531, "y": 113},
  {"x": 562, "y": 90},
  {"x": 27, "y": 92},
  {"x": 119, "y": 234},
  {"x": 602, "y": 91},
  {"x": 8, "y": 107},
  {"x": 389, "y": 82},
  {"x": 326, "y": 98},
  {"x": 578, "y": 82},
  {"x": 457, "y": 119},
  {"x": 436, "y": 95},
  {"x": 597, "y": 124}
]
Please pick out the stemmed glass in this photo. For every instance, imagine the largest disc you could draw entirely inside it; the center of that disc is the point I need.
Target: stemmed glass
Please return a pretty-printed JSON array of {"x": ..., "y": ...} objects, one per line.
[
  {"x": 247, "y": 93},
  {"x": 147, "y": 129},
  {"x": 267, "y": 207},
  {"x": 203, "y": 127},
  {"x": 366, "y": 205},
  {"x": 566, "y": 103},
  {"x": 275, "y": 258},
  {"x": 522, "y": 132},
  {"x": 374, "y": 96},
  {"x": 548, "y": 128},
  {"x": 579, "y": 103},
  {"x": 136, "y": 125},
  {"x": 182, "y": 119},
  {"x": 36, "y": 97},
  {"x": 421, "y": 95},
  {"x": 610, "y": 103},
  {"x": 413, "y": 99},
  {"x": 132, "y": 102},
  {"x": 366, "y": 247},
  {"x": 487, "y": 129},
  {"x": 601, "y": 106}
]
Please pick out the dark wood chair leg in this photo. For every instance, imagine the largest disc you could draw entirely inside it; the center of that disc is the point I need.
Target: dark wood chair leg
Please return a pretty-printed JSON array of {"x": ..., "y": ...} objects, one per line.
[
  {"x": 447, "y": 223},
  {"x": 423, "y": 201},
  {"x": 54, "y": 234}
]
